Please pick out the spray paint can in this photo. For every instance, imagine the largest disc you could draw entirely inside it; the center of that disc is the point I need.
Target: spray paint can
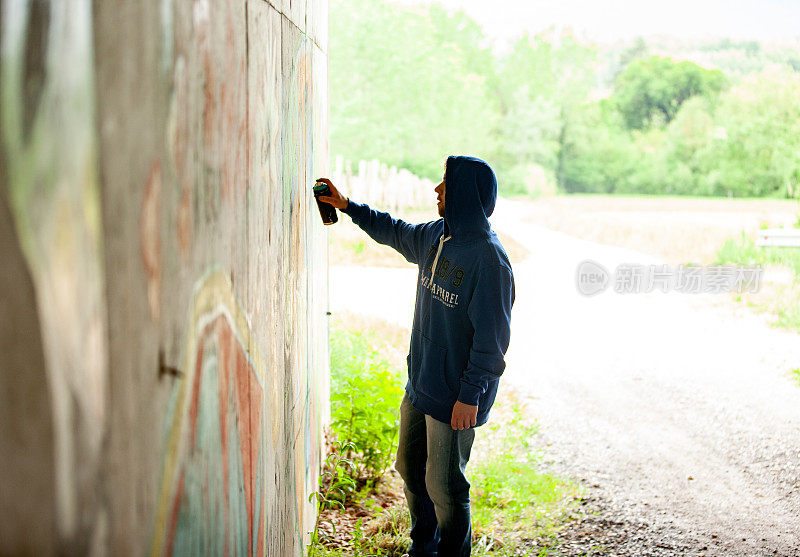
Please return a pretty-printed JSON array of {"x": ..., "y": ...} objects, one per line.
[{"x": 326, "y": 210}]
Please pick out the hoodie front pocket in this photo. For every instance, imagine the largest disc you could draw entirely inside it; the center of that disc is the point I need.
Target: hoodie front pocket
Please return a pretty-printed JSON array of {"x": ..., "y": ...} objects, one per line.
[{"x": 431, "y": 376}]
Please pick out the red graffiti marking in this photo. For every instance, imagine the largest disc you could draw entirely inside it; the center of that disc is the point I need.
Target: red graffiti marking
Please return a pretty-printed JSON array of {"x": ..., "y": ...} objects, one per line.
[
  {"x": 184, "y": 223},
  {"x": 237, "y": 409},
  {"x": 150, "y": 238},
  {"x": 225, "y": 99}
]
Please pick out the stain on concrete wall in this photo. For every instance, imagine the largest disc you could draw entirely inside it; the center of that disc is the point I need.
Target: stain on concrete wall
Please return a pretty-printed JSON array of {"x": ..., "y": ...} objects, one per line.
[{"x": 157, "y": 159}]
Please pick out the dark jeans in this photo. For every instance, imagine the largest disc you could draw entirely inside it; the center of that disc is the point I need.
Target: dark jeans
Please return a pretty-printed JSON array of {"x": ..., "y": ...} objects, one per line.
[{"x": 431, "y": 458}]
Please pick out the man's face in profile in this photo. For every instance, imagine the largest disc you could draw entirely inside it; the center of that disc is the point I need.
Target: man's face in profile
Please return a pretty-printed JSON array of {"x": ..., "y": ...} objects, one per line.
[{"x": 440, "y": 196}]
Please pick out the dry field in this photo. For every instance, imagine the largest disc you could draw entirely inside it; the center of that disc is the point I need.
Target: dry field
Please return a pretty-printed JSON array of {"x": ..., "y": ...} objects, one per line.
[{"x": 676, "y": 229}]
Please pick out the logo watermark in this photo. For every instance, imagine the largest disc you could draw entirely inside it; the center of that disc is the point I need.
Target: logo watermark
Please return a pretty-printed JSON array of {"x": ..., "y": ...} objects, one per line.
[{"x": 592, "y": 278}]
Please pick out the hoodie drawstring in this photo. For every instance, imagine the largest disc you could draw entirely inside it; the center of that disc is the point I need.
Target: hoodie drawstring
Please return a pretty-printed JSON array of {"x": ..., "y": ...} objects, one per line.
[{"x": 442, "y": 240}]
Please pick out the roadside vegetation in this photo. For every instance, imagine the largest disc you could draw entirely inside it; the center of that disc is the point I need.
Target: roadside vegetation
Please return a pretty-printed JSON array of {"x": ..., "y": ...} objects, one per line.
[
  {"x": 517, "y": 507},
  {"x": 779, "y": 292}
]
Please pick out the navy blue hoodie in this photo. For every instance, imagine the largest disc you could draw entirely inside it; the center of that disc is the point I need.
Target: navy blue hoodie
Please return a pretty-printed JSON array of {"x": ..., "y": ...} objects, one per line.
[{"x": 465, "y": 290}]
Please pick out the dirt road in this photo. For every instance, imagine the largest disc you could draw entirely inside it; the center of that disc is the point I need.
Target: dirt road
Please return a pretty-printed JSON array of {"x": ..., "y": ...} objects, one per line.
[{"x": 676, "y": 411}]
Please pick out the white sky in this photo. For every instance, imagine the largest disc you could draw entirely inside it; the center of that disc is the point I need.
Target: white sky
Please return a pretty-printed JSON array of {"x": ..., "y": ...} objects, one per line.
[{"x": 611, "y": 20}]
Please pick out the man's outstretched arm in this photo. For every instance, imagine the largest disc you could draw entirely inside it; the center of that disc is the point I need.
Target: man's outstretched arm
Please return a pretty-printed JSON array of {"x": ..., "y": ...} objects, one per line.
[{"x": 404, "y": 237}]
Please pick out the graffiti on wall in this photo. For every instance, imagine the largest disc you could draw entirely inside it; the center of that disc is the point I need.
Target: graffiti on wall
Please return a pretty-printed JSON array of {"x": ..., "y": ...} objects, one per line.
[
  {"x": 135, "y": 162},
  {"x": 213, "y": 495},
  {"x": 151, "y": 239}
]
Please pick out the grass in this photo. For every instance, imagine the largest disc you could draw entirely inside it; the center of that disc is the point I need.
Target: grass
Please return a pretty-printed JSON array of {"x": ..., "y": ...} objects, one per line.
[
  {"x": 517, "y": 508},
  {"x": 788, "y": 316},
  {"x": 779, "y": 294},
  {"x": 744, "y": 251}
]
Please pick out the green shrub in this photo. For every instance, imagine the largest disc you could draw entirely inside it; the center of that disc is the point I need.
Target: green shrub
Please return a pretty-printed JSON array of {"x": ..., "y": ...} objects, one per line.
[
  {"x": 357, "y": 247},
  {"x": 365, "y": 398},
  {"x": 336, "y": 481}
]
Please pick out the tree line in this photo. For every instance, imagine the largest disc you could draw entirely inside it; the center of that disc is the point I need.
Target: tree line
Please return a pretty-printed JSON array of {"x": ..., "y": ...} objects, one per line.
[{"x": 410, "y": 85}]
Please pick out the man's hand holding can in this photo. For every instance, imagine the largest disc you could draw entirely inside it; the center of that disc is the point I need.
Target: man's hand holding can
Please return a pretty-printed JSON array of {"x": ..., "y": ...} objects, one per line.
[{"x": 335, "y": 198}]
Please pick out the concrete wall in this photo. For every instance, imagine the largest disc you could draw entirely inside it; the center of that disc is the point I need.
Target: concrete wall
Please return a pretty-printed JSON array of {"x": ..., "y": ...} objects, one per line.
[{"x": 163, "y": 342}]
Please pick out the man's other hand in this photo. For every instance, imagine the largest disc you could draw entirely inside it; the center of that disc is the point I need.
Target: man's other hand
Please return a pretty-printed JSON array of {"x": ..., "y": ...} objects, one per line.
[
  {"x": 464, "y": 415},
  {"x": 335, "y": 198}
]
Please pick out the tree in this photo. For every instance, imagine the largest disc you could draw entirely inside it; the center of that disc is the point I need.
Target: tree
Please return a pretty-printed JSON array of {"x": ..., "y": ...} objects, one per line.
[
  {"x": 756, "y": 146},
  {"x": 651, "y": 90},
  {"x": 598, "y": 155},
  {"x": 541, "y": 83},
  {"x": 408, "y": 86}
]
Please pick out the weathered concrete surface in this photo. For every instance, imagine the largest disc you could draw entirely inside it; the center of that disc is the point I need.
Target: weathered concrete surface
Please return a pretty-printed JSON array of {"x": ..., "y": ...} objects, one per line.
[
  {"x": 49, "y": 145},
  {"x": 167, "y": 251},
  {"x": 30, "y": 441}
]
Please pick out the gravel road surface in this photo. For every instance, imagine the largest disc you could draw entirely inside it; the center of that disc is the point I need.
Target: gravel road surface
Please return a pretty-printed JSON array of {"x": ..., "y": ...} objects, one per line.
[{"x": 676, "y": 411}]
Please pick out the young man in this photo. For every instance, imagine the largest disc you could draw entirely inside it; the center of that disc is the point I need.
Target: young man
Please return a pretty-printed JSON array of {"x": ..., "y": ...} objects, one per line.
[{"x": 465, "y": 290}]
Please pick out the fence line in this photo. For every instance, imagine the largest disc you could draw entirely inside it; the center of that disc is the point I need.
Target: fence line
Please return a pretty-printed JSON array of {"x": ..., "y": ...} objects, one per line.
[{"x": 383, "y": 186}]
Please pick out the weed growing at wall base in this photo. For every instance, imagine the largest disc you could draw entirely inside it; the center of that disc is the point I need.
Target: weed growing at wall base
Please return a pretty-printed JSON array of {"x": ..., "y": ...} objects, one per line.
[
  {"x": 335, "y": 483},
  {"x": 365, "y": 395}
]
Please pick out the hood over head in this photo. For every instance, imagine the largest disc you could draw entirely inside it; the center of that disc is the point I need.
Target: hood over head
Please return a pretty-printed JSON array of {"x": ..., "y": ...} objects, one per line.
[{"x": 470, "y": 196}]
